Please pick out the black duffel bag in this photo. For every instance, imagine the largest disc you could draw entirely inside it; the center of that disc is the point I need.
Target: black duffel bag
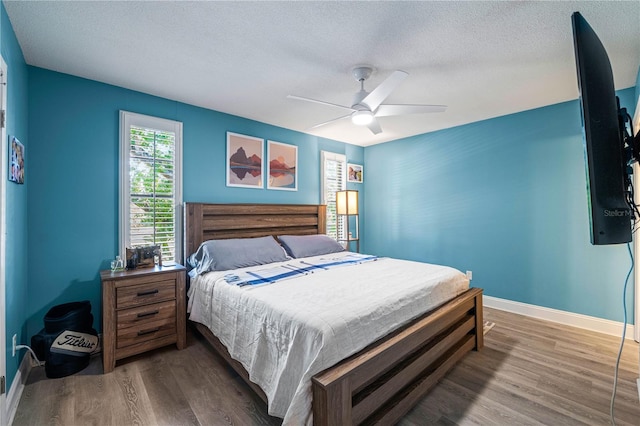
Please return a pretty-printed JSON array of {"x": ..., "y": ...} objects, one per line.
[{"x": 67, "y": 339}]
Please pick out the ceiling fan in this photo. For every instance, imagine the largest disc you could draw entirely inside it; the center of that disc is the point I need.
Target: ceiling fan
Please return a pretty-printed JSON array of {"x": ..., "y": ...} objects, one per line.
[{"x": 367, "y": 106}]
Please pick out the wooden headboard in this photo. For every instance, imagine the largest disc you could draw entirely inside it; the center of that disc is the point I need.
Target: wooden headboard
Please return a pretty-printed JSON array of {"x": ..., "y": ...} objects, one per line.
[{"x": 204, "y": 222}]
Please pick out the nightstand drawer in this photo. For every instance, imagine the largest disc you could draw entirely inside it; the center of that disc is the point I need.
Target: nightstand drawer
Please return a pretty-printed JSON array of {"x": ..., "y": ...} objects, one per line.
[
  {"x": 142, "y": 294},
  {"x": 145, "y": 330},
  {"x": 145, "y": 314},
  {"x": 145, "y": 335}
]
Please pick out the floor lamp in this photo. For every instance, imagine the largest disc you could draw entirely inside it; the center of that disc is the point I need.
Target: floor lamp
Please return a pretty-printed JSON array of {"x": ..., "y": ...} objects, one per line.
[{"x": 347, "y": 206}]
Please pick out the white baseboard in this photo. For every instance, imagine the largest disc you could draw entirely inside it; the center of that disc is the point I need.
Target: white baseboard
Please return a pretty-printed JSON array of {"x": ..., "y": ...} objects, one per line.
[
  {"x": 15, "y": 392},
  {"x": 563, "y": 317}
]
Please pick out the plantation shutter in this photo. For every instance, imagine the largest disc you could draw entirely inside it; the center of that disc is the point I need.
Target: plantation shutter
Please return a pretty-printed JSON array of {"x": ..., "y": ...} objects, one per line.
[
  {"x": 152, "y": 191},
  {"x": 333, "y": 179}
]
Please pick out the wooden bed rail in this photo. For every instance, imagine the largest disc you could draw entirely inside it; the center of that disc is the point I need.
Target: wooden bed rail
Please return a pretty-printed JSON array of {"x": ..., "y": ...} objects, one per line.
[{"x": 381, "y": 383}]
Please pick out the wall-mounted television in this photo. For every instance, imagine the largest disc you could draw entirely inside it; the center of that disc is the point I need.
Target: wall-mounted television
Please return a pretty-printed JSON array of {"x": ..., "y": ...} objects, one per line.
[{"x": 609, "y": 150}]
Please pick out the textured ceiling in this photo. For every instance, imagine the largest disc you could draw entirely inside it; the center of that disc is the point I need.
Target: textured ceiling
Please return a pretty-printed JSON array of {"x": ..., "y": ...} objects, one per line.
[{"x": 482, "y": 59}]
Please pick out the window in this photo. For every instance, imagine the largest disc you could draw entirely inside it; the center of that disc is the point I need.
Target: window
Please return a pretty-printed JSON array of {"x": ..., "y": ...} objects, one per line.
[
  {"x": 334, "y": 178},
  {"x": 150, "y": 184}
]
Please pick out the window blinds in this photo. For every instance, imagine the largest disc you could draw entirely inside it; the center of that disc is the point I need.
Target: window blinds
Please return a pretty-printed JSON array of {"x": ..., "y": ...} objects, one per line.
[
  {"x": 152, "y": 190},
  {"x": 334, "y": 179},
  {"x": 150, "y": 209}
]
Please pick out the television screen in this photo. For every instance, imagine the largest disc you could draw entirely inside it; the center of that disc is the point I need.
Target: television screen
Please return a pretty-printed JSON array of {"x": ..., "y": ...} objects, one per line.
[{"x": 605, "y": 164}]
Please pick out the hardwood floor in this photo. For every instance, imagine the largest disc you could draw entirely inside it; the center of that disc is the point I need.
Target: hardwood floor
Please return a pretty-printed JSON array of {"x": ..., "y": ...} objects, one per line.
[{"x": 530, "y": 372}]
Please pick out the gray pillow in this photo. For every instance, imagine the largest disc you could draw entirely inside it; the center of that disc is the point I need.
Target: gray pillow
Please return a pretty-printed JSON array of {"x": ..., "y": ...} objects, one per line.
[
  {"x": 223, "y": 255},
  {"x": 309, "y": 245}
]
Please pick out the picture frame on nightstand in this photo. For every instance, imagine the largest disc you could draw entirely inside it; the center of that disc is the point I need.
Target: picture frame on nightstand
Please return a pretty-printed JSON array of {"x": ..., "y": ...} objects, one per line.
[{"x": 143, "y": 257}]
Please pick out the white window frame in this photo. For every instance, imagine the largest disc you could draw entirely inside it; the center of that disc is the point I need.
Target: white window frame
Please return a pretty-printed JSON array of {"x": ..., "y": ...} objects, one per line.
[
  {"x": 332, "y": 156},
  {"x": 127, "y": 120}
]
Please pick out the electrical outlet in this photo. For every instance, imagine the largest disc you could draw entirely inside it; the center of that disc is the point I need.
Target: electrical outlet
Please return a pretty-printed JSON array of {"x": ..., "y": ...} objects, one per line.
[
  {"x": 15, "y": 343},
  {"x": 470, "y": 275}
]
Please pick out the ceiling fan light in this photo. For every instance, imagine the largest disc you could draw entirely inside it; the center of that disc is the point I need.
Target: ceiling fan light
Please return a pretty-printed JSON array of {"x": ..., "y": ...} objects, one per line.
[{"x": 362, "y": 118}]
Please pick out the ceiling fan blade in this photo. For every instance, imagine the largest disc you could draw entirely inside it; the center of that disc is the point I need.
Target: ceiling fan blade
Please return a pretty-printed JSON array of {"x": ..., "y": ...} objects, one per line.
[
  {"x": 387, "y": 110},
  {"x": 319, "y": 102},
  {"x": 380, "y": 93},
  {"x": 374, "y": 126},
  {"x": 329, "y": 122}
]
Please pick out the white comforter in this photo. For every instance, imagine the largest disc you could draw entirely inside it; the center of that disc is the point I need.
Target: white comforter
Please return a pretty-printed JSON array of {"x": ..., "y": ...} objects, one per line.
[{"x": 285, "y": 333}]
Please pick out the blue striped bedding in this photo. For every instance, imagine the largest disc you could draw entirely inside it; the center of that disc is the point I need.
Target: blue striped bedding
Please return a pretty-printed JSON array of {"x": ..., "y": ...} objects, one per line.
[{"x": 295, "y": 268}]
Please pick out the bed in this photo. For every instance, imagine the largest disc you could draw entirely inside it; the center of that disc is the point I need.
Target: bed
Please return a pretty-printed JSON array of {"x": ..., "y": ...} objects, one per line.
[{"x": 379, "y": 383}]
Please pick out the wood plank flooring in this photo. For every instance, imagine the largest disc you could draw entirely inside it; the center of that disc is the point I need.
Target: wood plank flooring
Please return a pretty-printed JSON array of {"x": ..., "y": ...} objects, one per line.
[{"x": 530, "y": 372}]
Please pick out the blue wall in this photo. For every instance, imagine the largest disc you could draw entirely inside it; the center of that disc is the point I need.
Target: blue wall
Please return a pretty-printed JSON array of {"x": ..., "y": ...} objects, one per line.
[
  {"x": 637, "y": 131},
  {"x": 637, "y": 89},
  {"x": 504, "y": 198},
  {"x": 15, "y": 268},
  {"x": 73, "y": 173}
]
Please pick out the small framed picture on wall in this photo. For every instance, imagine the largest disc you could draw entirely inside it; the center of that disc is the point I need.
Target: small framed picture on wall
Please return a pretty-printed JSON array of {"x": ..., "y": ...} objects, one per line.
[
  {"x": 16, "y": 160},
  {"x": 354, "y": 173}
]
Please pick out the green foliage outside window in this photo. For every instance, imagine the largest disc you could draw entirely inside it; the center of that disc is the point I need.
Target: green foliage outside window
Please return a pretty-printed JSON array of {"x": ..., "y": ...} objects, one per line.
[{"x": 152, "y": 190}]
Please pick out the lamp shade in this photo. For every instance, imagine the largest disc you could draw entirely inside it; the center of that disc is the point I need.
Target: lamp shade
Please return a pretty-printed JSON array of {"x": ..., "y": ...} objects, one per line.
[{"x": 347, "y": 202}]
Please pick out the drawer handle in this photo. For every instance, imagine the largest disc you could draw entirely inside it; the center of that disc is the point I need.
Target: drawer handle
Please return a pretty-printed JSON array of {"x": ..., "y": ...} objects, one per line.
[
  {"x": 152, "y": 330},
  {"x": 147, "y": 293},
  {"x": 148, "y": 314}
]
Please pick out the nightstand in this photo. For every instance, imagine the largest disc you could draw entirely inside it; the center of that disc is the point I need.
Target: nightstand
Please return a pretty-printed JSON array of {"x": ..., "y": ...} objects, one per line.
[{"x": 142, "y": 309}]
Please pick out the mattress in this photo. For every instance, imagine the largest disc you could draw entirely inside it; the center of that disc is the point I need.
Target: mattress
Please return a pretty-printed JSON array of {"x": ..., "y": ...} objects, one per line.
[{"x": 288, "y": 331}]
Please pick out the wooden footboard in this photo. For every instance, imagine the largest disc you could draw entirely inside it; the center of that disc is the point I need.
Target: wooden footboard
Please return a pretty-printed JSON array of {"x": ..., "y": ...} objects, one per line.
[{"x": 381, "y": 383}]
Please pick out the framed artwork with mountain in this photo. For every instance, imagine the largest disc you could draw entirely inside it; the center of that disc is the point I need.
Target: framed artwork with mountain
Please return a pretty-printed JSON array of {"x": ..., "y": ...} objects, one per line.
[
  {"x": 282, "y": 166},
  {"x": 245, "y": 161}
]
